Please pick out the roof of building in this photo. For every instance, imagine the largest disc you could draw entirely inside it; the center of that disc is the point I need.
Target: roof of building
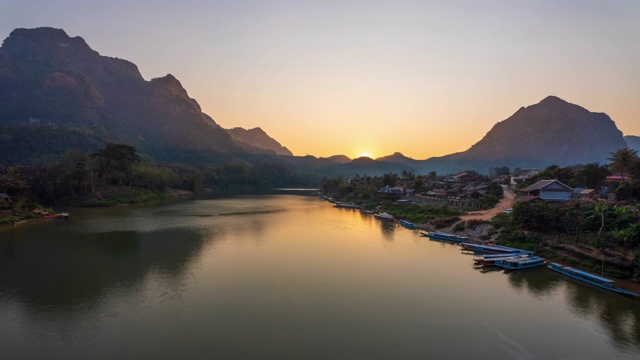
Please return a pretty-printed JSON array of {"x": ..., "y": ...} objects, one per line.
[
  {"x": 618, "y": 177},
  {"x": 391, "y": 190},
  {"x": 523, "y": 172},
  {"x": 544, "y": 183},
  {"x": 589, "y": 191}
]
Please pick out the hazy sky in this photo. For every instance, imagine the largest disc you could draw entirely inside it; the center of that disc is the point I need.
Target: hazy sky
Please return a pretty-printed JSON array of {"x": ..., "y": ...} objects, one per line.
[{"x": 425, "y": 78}]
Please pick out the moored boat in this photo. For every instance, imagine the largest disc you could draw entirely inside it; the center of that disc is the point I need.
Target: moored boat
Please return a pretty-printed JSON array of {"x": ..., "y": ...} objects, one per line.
[
  {"x": 520, "y": 263},
  {"x": 490, "y": 260},
  {"x": 439, "y": 235},
  {"x": 408, "y": 225},
  {"x": 494, "y": 249},
  {"x": 346, "y": 206},
  {"x": 590, "y": 279},
  {"x": 62, "y": 215},
  {"x": 384, "y": 216}
]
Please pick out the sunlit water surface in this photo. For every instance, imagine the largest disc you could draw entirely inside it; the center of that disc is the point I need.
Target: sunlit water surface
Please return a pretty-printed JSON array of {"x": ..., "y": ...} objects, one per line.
[{"x": 283, "y": 277}]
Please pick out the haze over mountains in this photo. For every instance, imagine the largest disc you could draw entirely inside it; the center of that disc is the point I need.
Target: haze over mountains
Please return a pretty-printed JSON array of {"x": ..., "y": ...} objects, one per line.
[{"x": 56, "y": 94}]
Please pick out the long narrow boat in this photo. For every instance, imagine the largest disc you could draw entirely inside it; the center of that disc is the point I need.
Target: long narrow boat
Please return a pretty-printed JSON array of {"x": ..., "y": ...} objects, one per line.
[
  {"x": 494, "y": 249},
  {"x": 346, "y": 206},
  {"x": 590, "y": 279},
  {"x": 439, "y": 235},
  {"x": 520, "y": 263},
  {"x": 384, "y": 216},
  {"x": 490, "y": 260},
  {"x": 408, "y": 225}
]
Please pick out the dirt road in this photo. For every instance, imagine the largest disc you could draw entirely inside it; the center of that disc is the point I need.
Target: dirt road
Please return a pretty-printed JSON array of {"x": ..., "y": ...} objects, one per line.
[{"x": 504, "y": 204}]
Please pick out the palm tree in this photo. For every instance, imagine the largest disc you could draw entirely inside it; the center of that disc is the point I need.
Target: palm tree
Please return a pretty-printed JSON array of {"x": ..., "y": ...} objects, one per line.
[{"x": 621, "y": 159}]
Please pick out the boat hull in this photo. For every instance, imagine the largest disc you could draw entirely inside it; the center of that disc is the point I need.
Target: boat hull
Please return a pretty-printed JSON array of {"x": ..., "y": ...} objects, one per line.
[
  {"x": 562, "y": 270},
  {"x": 520, "y": 263},
  {"x": 446, "y": 237}
]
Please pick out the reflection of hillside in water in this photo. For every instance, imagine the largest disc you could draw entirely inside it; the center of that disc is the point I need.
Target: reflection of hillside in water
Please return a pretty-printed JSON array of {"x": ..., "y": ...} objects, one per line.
[
  {"x": 618, "y": 314},
  {"x": 72, "y": 273}
]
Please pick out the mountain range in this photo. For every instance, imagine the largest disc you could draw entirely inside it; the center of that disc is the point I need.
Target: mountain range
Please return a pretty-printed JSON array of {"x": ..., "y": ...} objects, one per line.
[
  {"x": 56, "y": 93},
  {"x": 61, "y": 86}
]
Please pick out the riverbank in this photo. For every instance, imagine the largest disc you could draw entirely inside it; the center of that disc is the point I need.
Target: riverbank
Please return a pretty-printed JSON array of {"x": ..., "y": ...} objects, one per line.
[{"x": 21, "y": 211}]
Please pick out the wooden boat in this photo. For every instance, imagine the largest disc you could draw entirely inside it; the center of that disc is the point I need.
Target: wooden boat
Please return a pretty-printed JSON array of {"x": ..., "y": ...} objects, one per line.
[
  {"x": 384, "y": 216},
  {"x": 62, "y": 215},
  {"x": 346, "y": 206},
  {"x": 494, "y": 249},
  {"x": 490, "y": 260},
  {"x": 590, "y": 279},
  {"x": 439, "y": 235},
  {"x": 407, "y": 224},
  {"x": 520, "y": 263}
]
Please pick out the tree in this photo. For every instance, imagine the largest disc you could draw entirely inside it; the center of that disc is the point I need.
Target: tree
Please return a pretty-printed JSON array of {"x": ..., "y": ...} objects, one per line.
[
  {"x": 591, "y": 176},
  {"x": 11, "y": 181},
  {"x": 73, "y": 169},
  {"x": 621, "y": 159},
  {"x": 115, "y": 162},
  {"x": 389, "y": 179}
]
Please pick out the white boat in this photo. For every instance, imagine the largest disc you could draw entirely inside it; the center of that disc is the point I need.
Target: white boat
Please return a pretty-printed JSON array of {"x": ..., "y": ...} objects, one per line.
[{"x": 384, "y": 216}]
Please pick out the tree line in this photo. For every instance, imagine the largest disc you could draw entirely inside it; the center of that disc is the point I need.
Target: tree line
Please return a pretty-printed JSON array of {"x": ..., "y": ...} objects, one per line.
[{"x": 78, "y": 175}]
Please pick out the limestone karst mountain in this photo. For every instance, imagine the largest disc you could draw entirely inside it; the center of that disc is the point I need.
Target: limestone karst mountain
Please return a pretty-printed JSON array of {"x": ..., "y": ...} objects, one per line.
[
  {"x": 550, "y": 132},
  {"x": 60, "y": 86}
]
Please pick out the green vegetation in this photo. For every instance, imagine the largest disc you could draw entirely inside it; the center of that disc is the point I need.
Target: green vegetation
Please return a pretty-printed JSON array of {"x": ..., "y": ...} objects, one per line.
[
  {"x": 364, "y": 192},
  {"x": 420, "y": 214},
  {"x": 116, "y": 174},
  {"x": 585, "y": 234}
]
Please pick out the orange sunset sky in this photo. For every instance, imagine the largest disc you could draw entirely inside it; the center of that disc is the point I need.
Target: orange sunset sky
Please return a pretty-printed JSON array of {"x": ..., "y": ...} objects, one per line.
[{"x": 426, "y": 78}]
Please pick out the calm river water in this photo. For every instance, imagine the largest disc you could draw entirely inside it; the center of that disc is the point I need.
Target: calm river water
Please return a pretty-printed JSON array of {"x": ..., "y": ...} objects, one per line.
[{"x": 283, "y": 277}]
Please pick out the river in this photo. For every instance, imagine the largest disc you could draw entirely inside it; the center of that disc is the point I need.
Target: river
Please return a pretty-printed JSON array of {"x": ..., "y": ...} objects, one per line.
[{"x": 282, "y": 277}]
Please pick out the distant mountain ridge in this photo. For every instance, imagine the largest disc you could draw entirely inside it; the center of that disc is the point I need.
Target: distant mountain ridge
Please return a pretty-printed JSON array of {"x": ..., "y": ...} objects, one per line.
[
  {"x": 257, "y": 138},
  {"x": 633, "y": 142}
]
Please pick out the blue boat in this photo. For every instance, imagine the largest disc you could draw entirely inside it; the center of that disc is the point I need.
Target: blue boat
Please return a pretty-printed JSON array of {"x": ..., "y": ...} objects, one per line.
[
  {"x": 590, "y": 279},
  {"x": 491, "y": 260},
  {"x": 520, "y": 263},
  {"x": 495, "y": 249},
  {"x": 407, "y": 224},
  {"x": 439, "y": 235}
]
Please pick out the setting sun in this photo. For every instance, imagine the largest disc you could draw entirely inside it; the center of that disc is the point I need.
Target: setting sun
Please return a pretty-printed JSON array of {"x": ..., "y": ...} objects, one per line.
[{"x": 365, "y": 154}]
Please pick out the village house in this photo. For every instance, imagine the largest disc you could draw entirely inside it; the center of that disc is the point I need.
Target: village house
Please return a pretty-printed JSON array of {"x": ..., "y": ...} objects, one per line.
[
  {"x": 519, "y": 176},
  {"x": 391, "y": 193},
  {"x": 548, "y": 190},
  {"x": 500, "y": 178},
  {"x": 458, "y": 177},
  {"x": 589, "y": 194},
  {"x": 617, "y": 178}
]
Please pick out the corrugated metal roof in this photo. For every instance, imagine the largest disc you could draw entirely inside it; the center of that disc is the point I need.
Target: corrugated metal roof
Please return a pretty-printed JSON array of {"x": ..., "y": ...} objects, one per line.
[{"x": 544, "y": 183}]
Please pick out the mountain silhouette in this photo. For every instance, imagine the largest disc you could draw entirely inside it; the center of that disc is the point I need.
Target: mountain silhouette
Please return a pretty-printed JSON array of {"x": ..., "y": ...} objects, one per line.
[{"x": 551, "y": 132}]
